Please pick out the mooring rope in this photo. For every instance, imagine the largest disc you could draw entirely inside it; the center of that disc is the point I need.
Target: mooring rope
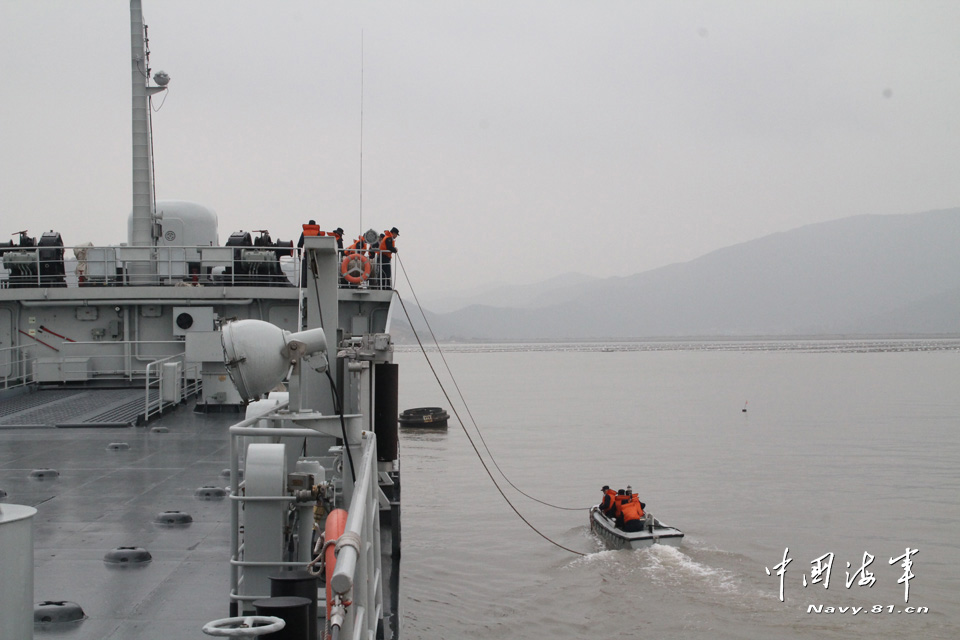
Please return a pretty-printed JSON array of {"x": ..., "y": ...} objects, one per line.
[
  {"x": 464, "y": 400},
  {"x": 463, "y": 425}
]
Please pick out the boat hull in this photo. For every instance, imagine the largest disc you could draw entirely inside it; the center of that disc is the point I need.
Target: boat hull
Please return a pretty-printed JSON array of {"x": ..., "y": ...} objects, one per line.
[{"x": 655, "y": 532}]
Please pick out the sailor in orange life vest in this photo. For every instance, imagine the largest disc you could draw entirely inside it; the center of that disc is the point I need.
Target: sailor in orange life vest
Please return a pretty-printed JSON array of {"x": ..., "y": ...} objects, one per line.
[
  {"x": 617, "y": 503},
  {"x": 359, "y": 246},
  {"x": 309, "y": 229},
  {"x": 387, "y": 248},
  {"x": 632, "y": 510},
  {"x": 606, "y": 505},
  {"x": 338, "y": 234},
  {"x": 313, "y": 229}
]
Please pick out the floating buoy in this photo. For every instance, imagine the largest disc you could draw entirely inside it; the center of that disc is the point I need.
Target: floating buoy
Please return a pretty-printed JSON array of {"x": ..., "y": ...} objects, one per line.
[
  {"x": 425, "y": 418},
  {"x": 745, "y": 406}
]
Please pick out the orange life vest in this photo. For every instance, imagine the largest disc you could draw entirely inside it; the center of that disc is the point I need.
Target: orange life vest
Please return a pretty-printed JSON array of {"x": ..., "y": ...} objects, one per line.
[
  {"x": 384, "y": 252},
  {"x": 608, "y": 497},
  {"x": 618, "y": 503},
  {"x": 311, "y": 229},
  {"x": 359, "y": 246},
  {"x": 631, "y": 509}
]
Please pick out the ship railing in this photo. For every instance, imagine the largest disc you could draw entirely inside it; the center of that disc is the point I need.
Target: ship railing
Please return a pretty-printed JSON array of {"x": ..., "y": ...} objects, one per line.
[
  {"x": 357, "y": 581},
  {"x": 73, "y": 361},
  {"x": 109, "y": 359},
  {"x": 358, "y": 575},
  {"x": 116, "y": 266},
  {"x": 16, "y": 366},
  {"x": 99, "y": 266},
  {"x": 172, "y": 384},
  {"x": 368, "y": 273}
]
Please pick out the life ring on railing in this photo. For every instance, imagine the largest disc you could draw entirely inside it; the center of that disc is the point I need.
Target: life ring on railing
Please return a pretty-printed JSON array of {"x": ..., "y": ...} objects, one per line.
[{"x": 355, "y": 268}]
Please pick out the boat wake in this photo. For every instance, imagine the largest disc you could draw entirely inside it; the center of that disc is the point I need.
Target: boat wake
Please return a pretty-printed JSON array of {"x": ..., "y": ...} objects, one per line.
[
  {"x": 690, "y": 571},
  {"x": 669, "y": 566}
]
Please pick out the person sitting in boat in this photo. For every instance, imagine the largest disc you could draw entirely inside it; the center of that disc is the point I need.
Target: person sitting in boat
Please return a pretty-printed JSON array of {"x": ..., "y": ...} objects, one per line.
[
  {"x": 632, "y": 510},
  {"x": 617, "y": 506},
  {"x": 606, "y": 505}
]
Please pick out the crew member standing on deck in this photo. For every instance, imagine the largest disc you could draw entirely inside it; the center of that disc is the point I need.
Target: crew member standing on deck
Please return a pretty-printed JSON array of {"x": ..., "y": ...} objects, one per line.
[
  {"x": 388, "y": 247},
  {"x": 338, "y": 234},
  {"x": 375, "y": 260},
  {"x": 309, "y": 229},
  {"x": 359, "y": 246}
]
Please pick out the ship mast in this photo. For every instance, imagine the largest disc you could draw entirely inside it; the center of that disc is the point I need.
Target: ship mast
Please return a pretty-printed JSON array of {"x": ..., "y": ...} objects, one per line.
[{"x": 142, "y": 229}]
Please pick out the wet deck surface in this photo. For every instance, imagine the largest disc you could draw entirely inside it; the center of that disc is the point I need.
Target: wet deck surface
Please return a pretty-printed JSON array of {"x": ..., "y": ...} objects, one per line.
[{"x": 107, "y": 498}]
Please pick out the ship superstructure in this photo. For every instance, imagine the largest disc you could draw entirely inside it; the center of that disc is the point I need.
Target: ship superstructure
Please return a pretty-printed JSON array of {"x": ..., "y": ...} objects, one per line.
[{"x": 96, "y": 339}]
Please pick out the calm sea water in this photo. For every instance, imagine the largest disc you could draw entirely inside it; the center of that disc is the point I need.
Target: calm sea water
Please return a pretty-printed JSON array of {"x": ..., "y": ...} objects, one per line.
[{"x": 846, "y": 448}]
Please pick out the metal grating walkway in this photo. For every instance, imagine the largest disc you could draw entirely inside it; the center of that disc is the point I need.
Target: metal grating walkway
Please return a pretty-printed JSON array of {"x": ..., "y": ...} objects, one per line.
[{"x": 74, "y": 408}]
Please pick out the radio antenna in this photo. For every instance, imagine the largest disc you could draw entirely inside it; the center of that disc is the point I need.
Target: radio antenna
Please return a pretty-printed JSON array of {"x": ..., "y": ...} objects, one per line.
[{"x": 361, "y": 131}]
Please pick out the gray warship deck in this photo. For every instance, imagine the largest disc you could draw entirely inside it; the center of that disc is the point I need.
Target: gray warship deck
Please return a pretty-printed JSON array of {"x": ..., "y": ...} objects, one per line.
[{"x": 105, "y": 498}]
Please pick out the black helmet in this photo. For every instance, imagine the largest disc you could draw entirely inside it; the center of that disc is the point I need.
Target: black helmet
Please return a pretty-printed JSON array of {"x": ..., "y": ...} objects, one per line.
[{"x": 395, "y": 231}]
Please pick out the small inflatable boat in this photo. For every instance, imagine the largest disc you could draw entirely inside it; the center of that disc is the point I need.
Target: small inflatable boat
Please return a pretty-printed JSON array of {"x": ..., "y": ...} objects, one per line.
[
  {"x": 425, "y": 418},
  {"x": 654, "y": 532}
]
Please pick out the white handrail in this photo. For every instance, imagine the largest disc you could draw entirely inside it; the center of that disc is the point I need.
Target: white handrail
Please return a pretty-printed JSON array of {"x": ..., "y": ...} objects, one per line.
[{"x": 358, "y": 567}]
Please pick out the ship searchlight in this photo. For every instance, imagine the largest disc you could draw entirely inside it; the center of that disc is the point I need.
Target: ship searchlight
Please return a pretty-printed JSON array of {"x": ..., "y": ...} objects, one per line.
[{"x": 260, "y": 355}]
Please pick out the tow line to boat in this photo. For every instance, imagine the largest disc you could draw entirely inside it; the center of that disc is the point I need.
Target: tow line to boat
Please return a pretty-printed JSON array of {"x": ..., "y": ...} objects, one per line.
[
  {"x": 460, "y": 420},
  {"x": 464, "y": 400}
]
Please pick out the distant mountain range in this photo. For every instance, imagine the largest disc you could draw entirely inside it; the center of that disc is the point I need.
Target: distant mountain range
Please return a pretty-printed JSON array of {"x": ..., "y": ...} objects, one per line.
[{"x": 864, "y": 275}]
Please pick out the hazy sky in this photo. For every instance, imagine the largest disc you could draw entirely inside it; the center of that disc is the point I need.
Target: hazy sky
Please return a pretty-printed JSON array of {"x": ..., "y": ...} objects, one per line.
[{"x": 508, "y": 140}]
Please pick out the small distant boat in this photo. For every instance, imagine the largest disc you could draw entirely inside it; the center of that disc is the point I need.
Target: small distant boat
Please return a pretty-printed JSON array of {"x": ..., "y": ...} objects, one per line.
[
  {"x": 654, "y": 532},
  {"x": 425, "y": 418}
]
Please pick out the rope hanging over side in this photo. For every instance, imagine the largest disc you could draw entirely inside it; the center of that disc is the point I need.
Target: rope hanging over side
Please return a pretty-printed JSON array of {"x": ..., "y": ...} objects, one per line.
[
  {"x": 470, "y": 439},
  {"x": 464, "y": 401}
]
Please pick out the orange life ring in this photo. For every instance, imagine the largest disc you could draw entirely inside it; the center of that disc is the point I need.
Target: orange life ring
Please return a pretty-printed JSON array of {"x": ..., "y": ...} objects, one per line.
[{"x": 355, "y": 268}]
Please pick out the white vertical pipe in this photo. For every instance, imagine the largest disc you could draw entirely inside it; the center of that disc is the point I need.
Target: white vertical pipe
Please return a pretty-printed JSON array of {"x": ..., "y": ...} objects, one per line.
[{"x": 16, "y": 569}]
